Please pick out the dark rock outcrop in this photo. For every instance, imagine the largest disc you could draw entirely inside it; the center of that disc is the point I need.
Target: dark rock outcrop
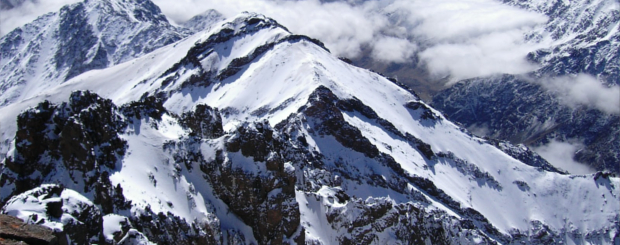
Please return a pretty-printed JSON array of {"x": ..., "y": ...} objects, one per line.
[{"x": 76, "y": 141}]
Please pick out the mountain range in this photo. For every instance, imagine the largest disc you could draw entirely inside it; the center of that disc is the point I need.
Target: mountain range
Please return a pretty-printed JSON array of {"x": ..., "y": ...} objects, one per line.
[{"x": 120, "y": 128}]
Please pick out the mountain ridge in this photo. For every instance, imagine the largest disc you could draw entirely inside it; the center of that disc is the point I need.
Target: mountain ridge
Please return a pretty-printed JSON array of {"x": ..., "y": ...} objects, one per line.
[{"x": 248, "y": 133}]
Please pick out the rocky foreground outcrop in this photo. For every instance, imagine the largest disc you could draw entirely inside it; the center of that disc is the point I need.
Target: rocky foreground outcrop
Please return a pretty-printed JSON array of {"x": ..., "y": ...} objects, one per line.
[{"x": 14, "y": 231}]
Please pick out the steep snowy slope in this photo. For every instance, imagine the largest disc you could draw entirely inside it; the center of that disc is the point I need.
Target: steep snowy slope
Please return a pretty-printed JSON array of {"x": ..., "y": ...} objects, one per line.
[{"x": 247, "y": 133}]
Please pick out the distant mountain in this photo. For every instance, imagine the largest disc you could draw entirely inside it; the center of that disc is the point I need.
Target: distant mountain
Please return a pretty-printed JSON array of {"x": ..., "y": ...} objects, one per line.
[
  {"x": 79, "y": 38},
  {"x": 246, "y": 133},
  {"x": 521, "y": 109},
  {"x": 515, "y": 109},
  {"x": 586, "y": 38},
  {"x": 203, "y": 21}
]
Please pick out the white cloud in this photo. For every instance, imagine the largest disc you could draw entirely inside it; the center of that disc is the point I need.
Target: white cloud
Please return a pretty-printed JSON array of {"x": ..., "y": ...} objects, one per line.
[
  {"x": 342, "y": 27},
  {"x": 459, "y": 20},
  {"x": 479, "y": 130},
  {"x": 460, "y": 38},
  {"x": 586, "y": 90},
  {"x": 392, "y": 49},
  {"x": 484, "y": 56},
  {"x": 560, "y": 155},
  {"x": 471, "y": 38}
]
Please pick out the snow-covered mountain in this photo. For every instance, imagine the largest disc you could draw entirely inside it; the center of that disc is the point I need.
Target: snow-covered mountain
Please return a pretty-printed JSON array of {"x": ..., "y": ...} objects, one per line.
[
  {"x": 246, "y": 133},
  {"x": 526, "y": 109},
  {"x": 80, "y": 37}
]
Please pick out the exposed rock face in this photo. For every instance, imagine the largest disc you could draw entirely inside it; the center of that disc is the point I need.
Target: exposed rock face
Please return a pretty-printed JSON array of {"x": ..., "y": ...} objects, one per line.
[
  {"x": 73, "y": 218},
  {"x": 76, "y": 142},
  {"x": 66, "y": 217},
  {"x": 249, "y": 173},
  {"x": 205, "y": 122},
  {"x": 167, "y": 228},
  {"x": 14, "y": 231},
  {"x": 79, "y": 146}
]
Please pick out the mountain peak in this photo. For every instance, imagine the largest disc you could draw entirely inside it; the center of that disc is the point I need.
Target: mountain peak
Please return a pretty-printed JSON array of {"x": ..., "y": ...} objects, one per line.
[
  {"x": 247, "y": 21},
  {"x": 203, "y": 21},
  {"x": 80, "y": 37},
  {"x": 138, "y": 10}
]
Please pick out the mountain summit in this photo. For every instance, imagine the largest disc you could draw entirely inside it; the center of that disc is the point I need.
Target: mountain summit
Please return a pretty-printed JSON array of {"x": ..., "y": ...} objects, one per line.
[{"x": 248, "y": 134}]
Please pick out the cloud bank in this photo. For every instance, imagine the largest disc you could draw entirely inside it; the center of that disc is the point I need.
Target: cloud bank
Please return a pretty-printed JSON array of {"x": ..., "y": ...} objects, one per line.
[
  {"x": 560, "y": 154},
  {"x": 584, "y": 89},
  {"x": 456, "y": 38}
]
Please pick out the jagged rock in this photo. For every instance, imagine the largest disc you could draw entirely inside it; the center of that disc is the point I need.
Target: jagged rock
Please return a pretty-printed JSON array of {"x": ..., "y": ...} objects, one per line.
[
  {"x": 77, "y": 140},
  {"x": 168, "y": 228},
  {"x": 323, "y": 108},
  {"x": 14, "y": 231},
  {"x": 205, "y": 122},
  {"x": 146, "y": 107},
  {"x": 263, "y": 196}
]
